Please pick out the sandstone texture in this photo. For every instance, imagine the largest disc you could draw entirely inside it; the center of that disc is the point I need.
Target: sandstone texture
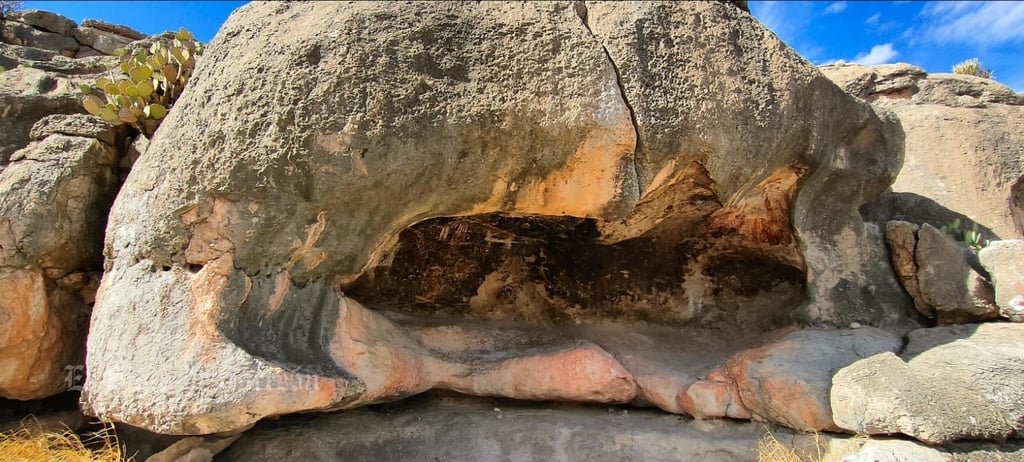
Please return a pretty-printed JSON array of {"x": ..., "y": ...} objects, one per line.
[
  {"x": 459, "y": 430},
  {"x": 1004, "y": 260},
  {"x": 788, "y": 381},
  {"x": 963, "y": 146},
  {"x": 59, "y": 172},
  {"x": 950, "y": 383},
  {"x": 944, "y": 277},
  {"x": 436, "y": 188},
  {"x": 52, "y": 196}
]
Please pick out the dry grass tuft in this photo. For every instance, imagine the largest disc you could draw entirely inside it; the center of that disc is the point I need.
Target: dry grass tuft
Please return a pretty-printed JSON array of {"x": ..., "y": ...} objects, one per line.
[
  {"x": 33, "y": 444},
  {"x": 770, "y": 449}
]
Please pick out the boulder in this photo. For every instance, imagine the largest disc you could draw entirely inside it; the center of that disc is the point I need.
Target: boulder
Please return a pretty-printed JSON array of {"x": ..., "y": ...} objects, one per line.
[
  {"x": 45, "y": 20},
  {"x": 45, "y": 84},
  {"x": 81, "y": 125},
  {"x": 449, "y": 429},
  {"x": 962, "y": 146},
  {"x": 891, "y": 450},
  {"x": 788, "y": 381},
  {"x": 100, "y": 40},
  {"x": 117, "y": 29},
  {"x": 1004, "y": 260},
  {"x": 51, "y": 228},
  {"x": 16, "y": 33},
  {"x": 941, "y": 275},
  {"x": 534, "y": 164},
  {"x": 952, "y": 383}
]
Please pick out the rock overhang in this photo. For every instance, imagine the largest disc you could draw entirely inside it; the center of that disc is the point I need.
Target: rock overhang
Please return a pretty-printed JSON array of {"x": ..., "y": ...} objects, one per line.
[{"x": 659, "y": 163}]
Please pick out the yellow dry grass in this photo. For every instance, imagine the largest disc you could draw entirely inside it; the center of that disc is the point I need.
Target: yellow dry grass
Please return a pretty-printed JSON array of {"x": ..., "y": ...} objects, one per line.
[
  {"x": 770, "y": 449},
  {"x": 33, "y": 444}
]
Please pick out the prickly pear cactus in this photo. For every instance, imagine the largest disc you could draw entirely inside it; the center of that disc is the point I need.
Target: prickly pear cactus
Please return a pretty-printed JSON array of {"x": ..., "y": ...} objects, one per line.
[{"x": 149, "y": 83}]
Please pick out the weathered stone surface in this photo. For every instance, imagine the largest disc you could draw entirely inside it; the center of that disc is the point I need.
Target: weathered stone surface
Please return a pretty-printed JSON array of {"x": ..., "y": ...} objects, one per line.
[
  {"x": 42, "y": 334},
  {"x": 950, "y": 288},
  {"x": 45, "y": 20},
  {"x": 46, "y": 84},
  {"x": 50, "y": 249},
  {"x": 788, "y": 381},
  {"x": 957, "y": 382},
  {"x": 118, "y": 29},
  {"x": 83, "y": 125},
  {"x": 16, "y": 33},
  {"x": 665, "y": 362},
  {"x": 902, "y": 239},
  {"x": 502, "y": 162},
  {"x": 365, "y": 358},
  {"x": 713, "y": 398},
  {"x": 100, "y": 40},
  {"x": 193, "y": 449},
  {"x": 461, "y": 430},
  {"x": 1004, "y": 261},
  {"x": 962, "y": 145},
  {"x": 889, "y": 450}
]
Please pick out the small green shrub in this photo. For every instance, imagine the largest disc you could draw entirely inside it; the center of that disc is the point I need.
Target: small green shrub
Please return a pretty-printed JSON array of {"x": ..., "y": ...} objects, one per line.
[
  {"x": 151, "y": 81},
  {"x": 972, "y": 67},
  {"x": 971, "y": 237}
]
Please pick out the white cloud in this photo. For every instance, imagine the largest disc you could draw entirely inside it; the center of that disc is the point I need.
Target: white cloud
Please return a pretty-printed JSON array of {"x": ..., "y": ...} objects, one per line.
[
  {"x": 971, "y": 22},
  {"x": 873, "y": 19},
  {"x": 879, "y": 54},
  {"x": 837, "y": 7}
]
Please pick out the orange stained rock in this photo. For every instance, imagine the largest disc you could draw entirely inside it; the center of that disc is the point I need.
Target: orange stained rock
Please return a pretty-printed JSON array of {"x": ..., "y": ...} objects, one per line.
[
  {"x": 761, "y": 214},
  {"x": 710, "y": 399},
  {"x": 32, "y": 336},
  {"x": 592, "y": 180},
  {"x": 583, "y": 373}
]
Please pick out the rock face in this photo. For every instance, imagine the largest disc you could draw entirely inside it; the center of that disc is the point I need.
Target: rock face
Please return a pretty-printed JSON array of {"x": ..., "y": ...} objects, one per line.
[
  {"x": 1004, "y": 260},
  {"x": 526, "y": 165},
  {"x": 52, "y": 195},
  {"x": 941, "y": 275},
  {"x": 962, "y": 146},
  {"x": 60, "y": 173},
  {"x": 461, "y": 430},
  {"x": 951, "y": 383},
  {"x": 788, "y": 381}
]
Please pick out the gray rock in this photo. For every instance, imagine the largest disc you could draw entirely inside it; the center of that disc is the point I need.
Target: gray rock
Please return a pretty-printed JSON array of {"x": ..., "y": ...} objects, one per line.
[
  {"x": 788, "y": 381},
  {"x": 40, "y": 88},
  {"x": 948, "y": 283},
  {"x": 962, "y": 146},
  {"x": 1004, "y": 260},
  {"x": 100, "y": 40},
  {"x": 117, "y": 29},
  {"x": 528, "y": 162},
  {"x": 83, "y": 125},
  {"x": 45, "y": 20},
  {"x": 957, "y": 382},
  {"x": 457, "y": 430},
  {"x": 52, "y": 201},
  {"x": 16, "y": 33},
  {"x": 878, "y": 450}
]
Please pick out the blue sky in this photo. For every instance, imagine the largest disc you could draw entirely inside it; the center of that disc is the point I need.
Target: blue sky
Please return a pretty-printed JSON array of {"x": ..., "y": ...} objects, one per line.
[
  {"x": 934, "y": 35},
  {"x": 149, "y": 17}
]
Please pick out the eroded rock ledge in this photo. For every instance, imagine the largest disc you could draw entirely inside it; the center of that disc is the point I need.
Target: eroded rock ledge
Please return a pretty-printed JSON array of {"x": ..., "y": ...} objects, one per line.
[{"x": 458, "y": 196}]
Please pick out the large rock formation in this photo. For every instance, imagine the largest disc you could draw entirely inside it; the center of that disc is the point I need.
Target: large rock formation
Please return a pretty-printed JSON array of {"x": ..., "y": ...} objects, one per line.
[
  {"x": 60, "y": 172},
  {"x": 963, "y": 151},
  {"x": 40, "y": 49},
  {"x": 950, "y": 383},
  {"x": 478, "y": 176}
]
